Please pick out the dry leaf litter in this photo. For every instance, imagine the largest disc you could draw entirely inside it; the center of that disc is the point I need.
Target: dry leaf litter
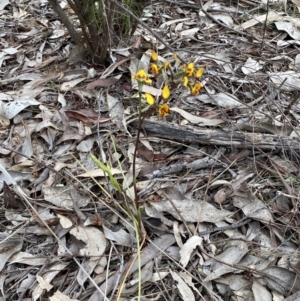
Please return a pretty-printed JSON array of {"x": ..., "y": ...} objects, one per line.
[{"x": 217, "y": 177}]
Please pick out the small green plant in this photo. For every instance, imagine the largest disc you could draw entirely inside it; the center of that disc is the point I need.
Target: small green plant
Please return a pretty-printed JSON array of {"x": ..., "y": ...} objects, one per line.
[{"x": 186, "y": 76}]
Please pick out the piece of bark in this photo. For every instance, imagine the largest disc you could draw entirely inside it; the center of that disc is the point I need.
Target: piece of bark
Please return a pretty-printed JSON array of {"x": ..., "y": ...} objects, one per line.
[
  {"x": 219, "y": 137},
  {"x": 183, "y": 166}
]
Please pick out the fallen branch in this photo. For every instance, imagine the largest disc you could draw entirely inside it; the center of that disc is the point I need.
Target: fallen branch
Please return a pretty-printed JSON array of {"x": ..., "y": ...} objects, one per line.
[{"x": 219, "y": 137}]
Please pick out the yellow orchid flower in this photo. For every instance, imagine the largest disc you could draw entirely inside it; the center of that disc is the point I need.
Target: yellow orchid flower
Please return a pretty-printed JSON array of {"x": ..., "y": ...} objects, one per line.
[
  {"x": 141, "y": 76},
  {"x": 154, "y": 69},
  {"x": 195, "y": 89},
  {"x": 189, "y": 69},
  {"x": 164, "y": 110}
]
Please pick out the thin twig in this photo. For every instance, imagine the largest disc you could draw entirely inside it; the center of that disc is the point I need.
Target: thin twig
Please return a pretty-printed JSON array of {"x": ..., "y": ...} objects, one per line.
[{"x": 265, "y": 27}]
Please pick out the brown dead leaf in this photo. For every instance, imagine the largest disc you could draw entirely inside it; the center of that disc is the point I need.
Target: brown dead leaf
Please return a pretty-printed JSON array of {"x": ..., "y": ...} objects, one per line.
[
  {"x": 26, "y": 28},
  {"x": 126, "y": 86},
  {"x": 159, "y": 156},
  {"x": 102, "y": 82},
  {"x": 46, "y": 62},
  {"x": 86, "y": 115},
  {"x": 146, "y": 153},
  {"x": 149, "y": 155},
  {"x": 9, "y": 199}
]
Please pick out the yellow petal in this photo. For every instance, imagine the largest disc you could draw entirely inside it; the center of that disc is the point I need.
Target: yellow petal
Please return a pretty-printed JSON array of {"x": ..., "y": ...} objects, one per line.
[
  {"x": 191, "y": 66},
  {"x": 199, "y": 72},
  {"x": 165, "y": 92},
  {"x": 154, "y": 55},
  {"x": 185, "y": 81},
  {"x": 150, "y": 99},
  {"x": 148, "y": 81}
]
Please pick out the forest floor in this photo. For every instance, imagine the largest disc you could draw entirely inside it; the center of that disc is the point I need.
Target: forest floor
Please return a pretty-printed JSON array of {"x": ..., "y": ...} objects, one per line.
[{"x": 205, "y": 206}]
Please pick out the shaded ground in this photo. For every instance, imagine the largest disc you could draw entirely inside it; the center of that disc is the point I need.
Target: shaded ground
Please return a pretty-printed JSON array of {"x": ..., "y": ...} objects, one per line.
[{"x": 217, "y": 178}]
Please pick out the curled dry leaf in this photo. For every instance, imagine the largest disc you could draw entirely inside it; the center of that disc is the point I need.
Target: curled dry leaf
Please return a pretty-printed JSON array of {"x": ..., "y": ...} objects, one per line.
[
  {"x": 64, "y": 221},
  {"x": 102, "y": 82},
  {"x": 9, "y": 198},
  {"x": 251, "y": 66},
  {"x": 290, "y": 28},
  {"x": 99, "y": 173},
  {"x": 3, "y": 4},
  {"x": 287, "y": 81},
  {"x": 43, "y": 284},
  {"x": 68, "y": 86},
  {"x": 221, "y": 195},
  {"x": 185, "y": 292},
  {"x": 48, "y": 277},
  {"x": 188, "y": 248},
  {"x": 116, "y": 111},
  {"x": 150, "y": 155},
  {"x": 94, "y": 247},
  {"x": 225, "y": 100}
]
